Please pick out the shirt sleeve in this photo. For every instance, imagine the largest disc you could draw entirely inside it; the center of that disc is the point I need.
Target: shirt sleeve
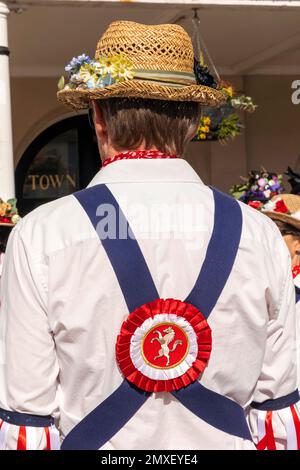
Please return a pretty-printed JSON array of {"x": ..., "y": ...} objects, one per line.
[
  {"x": 28, "y": 363},
  {"x": 274, "y": 413}
]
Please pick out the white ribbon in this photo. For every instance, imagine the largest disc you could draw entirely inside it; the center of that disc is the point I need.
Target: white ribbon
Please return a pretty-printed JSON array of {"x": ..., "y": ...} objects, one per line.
[
  {"x": 261, "y": 424},
  {"x": 3, "y": 435},
  {"x": 54, "y": 438},
  {"x": 290, "y": 428}
]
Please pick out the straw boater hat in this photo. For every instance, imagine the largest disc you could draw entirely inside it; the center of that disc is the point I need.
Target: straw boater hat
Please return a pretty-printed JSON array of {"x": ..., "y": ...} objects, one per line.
[
  {"x": 285, "y": 208},
  {"x": 138, "y": 61}
]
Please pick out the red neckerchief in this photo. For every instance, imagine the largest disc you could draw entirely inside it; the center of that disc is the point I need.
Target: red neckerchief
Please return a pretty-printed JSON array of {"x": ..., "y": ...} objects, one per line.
[{"x": 138, "y": 154}]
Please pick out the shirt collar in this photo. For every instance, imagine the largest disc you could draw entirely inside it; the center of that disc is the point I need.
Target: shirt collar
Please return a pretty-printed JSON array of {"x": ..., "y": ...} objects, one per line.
[{"x": 140, "y": 171}]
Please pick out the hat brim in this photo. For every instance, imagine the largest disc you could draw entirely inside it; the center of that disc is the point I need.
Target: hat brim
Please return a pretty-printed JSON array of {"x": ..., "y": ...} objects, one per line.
[
  {"x": 80, "y": 98},
  {"x": 283, "y": 218}
]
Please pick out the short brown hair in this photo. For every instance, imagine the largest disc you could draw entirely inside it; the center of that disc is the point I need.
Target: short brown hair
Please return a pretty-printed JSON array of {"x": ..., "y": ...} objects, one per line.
[
  {"x": 287, "y": 229},
  {"x": 165, "y": 125}
]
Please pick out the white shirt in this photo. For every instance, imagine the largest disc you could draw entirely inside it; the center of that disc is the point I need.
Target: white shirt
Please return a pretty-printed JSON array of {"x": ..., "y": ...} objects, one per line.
[{"x": 62, "y": 309}]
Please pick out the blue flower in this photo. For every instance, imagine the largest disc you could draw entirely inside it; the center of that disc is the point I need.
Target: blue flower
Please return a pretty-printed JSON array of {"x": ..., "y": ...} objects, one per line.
[{"x": 75, "y": 64}]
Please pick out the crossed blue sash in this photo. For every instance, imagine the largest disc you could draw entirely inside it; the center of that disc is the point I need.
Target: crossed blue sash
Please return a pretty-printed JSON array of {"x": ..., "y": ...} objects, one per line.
[
  {"x": 297, "y": 294},
  {"x": 138, "y": 288}
]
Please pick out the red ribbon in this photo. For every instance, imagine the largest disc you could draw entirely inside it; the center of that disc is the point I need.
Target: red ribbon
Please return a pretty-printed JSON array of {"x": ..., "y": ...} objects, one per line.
[
  {"x": 136, "y": 318},
  {"x": 48, "y": 441},
  {"x": 268, "y": 441},
  {"x": 22, "y": 438},
  {"x": 296, "y": 424}
]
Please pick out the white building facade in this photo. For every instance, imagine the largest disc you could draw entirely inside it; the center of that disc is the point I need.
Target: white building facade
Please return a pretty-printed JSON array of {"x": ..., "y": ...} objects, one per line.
[{"x": 255, "y": 45}]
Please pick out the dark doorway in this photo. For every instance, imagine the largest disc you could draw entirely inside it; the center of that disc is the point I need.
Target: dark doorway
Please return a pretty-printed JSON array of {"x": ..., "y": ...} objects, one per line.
[{"x": 61, "y": 160}]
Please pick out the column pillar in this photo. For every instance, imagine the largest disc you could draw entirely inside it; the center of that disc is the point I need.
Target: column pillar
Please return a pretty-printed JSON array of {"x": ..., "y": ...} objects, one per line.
[{"x": 7, "y": 185}]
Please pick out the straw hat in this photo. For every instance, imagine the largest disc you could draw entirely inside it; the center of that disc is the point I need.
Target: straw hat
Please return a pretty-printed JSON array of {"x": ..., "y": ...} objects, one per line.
[
  {"x": 155, "y": 62},
  {"x": 6, "y": 224},
  {"x": 285, "y": 208}
]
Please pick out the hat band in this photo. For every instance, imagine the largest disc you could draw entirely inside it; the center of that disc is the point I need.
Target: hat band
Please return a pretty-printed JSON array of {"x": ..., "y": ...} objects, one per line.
[{"x": 165, "y": 77}]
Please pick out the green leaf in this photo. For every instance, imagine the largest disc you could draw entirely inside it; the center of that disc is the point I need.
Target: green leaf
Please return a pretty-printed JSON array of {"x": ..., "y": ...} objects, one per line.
[
  {"x": 61, "y": 83},
  {"x": 13, "y": 203}
]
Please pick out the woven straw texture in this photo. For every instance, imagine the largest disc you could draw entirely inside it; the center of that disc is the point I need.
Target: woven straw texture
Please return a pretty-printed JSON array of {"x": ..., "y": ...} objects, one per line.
[
  {"x": 292, "y": 202},
  {"x": 161, "y": 48}
]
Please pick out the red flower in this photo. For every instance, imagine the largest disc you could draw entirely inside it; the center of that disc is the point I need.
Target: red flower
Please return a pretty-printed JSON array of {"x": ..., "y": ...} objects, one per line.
[
  {"x": 5, "y": 220},
  {"x": 255, "y": 204},
  {"x": 280, "y": 207}
]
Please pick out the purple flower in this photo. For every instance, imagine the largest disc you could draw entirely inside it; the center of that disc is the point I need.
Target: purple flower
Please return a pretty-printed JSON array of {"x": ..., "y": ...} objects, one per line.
[{"x": 75, "y": 64}]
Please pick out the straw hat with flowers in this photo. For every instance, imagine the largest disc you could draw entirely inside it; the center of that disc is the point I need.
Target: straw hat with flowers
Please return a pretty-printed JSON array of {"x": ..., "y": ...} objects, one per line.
[
  {"x": 133, "y": 60},
  {"x": 284, "y": 207}
]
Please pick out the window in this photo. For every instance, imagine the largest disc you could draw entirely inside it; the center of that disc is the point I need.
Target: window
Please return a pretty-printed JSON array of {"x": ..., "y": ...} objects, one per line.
[{"x": 61, "y": 160}]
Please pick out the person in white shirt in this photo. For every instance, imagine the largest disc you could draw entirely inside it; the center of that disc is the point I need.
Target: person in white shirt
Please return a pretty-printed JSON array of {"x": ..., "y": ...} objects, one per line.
[{"x": 148, "y": 311}]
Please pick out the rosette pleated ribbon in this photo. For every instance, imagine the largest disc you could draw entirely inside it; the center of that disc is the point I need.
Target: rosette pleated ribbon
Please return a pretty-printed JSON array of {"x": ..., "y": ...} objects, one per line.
[
  {"x": 136, "y": 346},
  {"x": 143, "y": 301}
]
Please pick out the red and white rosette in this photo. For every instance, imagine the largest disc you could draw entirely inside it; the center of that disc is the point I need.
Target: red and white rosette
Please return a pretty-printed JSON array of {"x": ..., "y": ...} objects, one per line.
[{"x": 164, "y": 345}]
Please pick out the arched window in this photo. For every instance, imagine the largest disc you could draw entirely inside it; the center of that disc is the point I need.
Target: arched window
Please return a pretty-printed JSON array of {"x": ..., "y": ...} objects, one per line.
[{"x": 61, "y": 160}]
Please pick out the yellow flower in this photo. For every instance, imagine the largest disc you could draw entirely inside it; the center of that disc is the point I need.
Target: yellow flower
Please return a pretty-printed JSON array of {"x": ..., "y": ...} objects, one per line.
[
  {"x": 229, "y": 91},
  {"x": 202, "y": 136},
  {"x": 125, "y": 74},
  {"x": 203, "y": 129},
  {"x": 124, "y": 69},
  {"x": 87, "y": 72},
  {"x": 206, "y": 129},
  {"x": 108, "y": 65},
  {"x": 206, "y": 120}
]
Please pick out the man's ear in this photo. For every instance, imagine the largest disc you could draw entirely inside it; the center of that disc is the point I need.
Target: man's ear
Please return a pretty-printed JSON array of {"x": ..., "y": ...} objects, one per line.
[
  {"x": 100, "y": 125},
  {"x": 297, "y": 245}
]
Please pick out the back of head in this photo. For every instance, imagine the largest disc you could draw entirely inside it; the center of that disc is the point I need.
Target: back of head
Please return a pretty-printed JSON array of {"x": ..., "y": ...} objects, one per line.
[{"x": 165, "y": 125}]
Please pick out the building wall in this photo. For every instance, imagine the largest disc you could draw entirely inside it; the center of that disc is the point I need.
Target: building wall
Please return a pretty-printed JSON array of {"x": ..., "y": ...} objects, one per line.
[{"x": 271, "y": 138}]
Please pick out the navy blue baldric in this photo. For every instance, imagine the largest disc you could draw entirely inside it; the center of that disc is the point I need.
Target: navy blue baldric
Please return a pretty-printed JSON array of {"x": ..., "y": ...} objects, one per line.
[
  {"x": 297, "y": 294},
  {"x": 138, "y": 288}
]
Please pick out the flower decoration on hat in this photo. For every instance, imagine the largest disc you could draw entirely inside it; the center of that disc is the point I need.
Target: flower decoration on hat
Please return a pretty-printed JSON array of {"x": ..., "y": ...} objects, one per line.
[
  {"x": 258, "y": 189},
  {"x": 164, "y": 345},
  {"x": 9, "y": 212},
  {"x": 277, "y": 205},
  {"x": 88, "y": 73}
]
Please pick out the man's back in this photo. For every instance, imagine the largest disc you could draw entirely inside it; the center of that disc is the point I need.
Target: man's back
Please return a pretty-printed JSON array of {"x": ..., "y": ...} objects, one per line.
[{"x": 74, "y": 295}]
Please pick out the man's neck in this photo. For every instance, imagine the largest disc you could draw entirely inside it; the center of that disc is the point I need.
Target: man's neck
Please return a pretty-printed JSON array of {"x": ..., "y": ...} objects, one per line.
[{"x": 111, "y": 151}]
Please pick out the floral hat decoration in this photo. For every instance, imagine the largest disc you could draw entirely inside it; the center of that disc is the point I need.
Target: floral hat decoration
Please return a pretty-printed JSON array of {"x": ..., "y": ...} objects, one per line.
[
  {"x": 9, "y": 213},
  {"x": 285, "y": 207},
  {"x": 258, "y": 189},
  {"x": 139, "y": 61}
]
